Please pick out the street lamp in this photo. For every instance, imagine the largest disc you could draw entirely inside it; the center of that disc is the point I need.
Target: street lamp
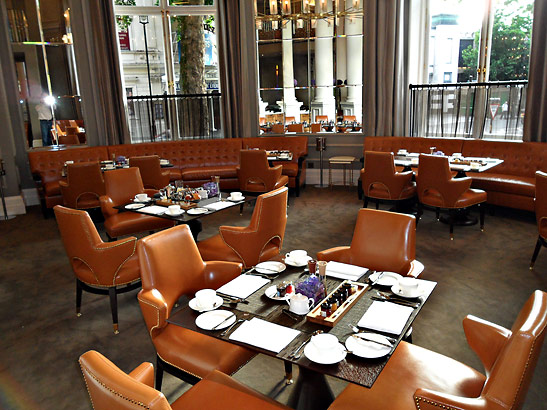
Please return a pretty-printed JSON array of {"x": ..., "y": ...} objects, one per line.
[{"x": 144, "y": 21}]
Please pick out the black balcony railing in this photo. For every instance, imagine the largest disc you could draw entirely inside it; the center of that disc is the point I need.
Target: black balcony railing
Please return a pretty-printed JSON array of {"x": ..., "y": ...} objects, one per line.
[
  {"x": 169, "y": 117},
  {"x": 473, "y": 110}
]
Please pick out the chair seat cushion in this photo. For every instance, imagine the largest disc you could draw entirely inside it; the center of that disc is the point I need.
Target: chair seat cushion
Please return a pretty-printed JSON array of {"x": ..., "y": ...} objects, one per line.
[
  {"x": 52, "y": 188},
  {"x": 409, "y": 368},
  {"x": 127, "y": 223},
  {"x": 198, "y": 354},
  {"x": 87, "y": 201},
  {"x": 380, "y": 191},
  {"x": 468, "y": 198},
  {"x": 258, "y": 186},
  {"x": 129, "y": 272},
  {"x": 511, "y": 184},
  {"x": 224, "y": 171}
]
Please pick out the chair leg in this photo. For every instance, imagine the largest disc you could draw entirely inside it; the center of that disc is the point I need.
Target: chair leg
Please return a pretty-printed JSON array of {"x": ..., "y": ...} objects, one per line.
[
  {"x": 438, "y": 213},
  {"x": 377, "y": 204},
  {"x": 159, "y": 373},
  {"x": 451, "y": 213},
  {"x": 419, "y": 213},
  {"x": 78, "y": 297},
  {"x": 536, "y": 252},
  {"x": 365, "y": 202},
  {"x": 114, "y": 308},
  {"x": 288, "y": 373},
  {"x": 482, "y": 209}
]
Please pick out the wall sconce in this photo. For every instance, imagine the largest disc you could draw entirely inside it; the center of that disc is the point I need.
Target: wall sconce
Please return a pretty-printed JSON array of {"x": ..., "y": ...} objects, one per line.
[
  {"x": 273, "y": 7},
  {"x": 356, "y": 4},
  {"x": 286, "y": 7}
]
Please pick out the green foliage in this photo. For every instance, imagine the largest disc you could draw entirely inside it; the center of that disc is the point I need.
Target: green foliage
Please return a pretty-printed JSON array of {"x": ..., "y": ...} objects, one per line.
[{"x": 124, "y": 21}]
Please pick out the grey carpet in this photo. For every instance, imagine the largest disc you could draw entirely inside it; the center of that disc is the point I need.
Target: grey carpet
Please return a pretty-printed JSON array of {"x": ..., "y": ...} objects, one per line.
[{"x": 484, "y": 274}]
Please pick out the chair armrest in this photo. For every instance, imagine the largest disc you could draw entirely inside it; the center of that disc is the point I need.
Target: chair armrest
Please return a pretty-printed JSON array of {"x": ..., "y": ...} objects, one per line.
[
  {"x": 154, "y": 309},
  {"x": 455, "y": 188},
  {"x": 150, "y": 192},
  {"x": 217, "y": 273},
  {"x": 107, "y": 206},
  {"x": 426, "y": 399},
  {"x": 244, "y": 241},
  {"x": 63, "y": 184},
  {"x": 144, "y": 373},
  {"x": 485, "y": 338},
  {"x": 107, "y": 258},
  {"x": 338, "y": 254}
]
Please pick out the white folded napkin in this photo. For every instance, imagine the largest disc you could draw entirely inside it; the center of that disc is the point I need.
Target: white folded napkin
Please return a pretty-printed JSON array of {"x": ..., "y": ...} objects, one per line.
[
  {"x": 153, "y": 210},
  {"x": 243, "y": 286},
  {"x": 345, "y": 271},
  {"x": 386, "y": 317},
  {"x": 263, "y": 334},
  {"x": 215, "y": 206}
]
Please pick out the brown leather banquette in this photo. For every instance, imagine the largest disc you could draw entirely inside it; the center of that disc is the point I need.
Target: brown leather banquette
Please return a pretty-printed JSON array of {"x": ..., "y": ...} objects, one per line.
[{"x": 510, "y": 184}]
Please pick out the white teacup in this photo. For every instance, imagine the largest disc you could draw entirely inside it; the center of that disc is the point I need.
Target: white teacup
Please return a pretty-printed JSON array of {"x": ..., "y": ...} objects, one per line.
[
  {"x": 236, "y": 195},
  {"x": 408, "y": 285},
  {"x": 324, "y": 342},
  {"x": 457, "y": 155},
  {"x": 173, "y": 209},
  {"x": 402, "y": 152},
  {"x": 206, "y": 298},
  {"x": 415, "y": 160},
  {"x": 300, "y": 304},
  {"x": 299, "y": 256},
  {"x": 141, "y": 197},
  {"x": 203, "y": 194},
  {"x": 475, "y": 165}
]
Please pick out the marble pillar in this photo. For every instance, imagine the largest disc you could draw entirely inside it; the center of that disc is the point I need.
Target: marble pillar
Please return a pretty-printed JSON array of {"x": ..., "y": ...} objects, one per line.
[
  {"x": 291, "y": 106},
  {"x": 353, "y": 103}
]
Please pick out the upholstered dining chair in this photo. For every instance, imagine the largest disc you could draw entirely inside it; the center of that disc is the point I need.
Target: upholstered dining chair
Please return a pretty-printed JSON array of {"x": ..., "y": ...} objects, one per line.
[
  {"x": 316, "y": 127},
  {"x": 381, "y": 182},
  {"x": 84, "y": 185},
  {"x": 382, "y": 241},
  {"x": 295, "y": 128},
  {"x": 121, "y": 187},
  {"x": 437, "y": 188},
  {"x": 171, "y": 267},
  {"x": 278, "y": 129},
  {"x": 111, "y": 388},
  {"x": 322, "y": 118},
  {"x": 259, "y": 241},
  {"x": 68, "y": 139},
  {"x": 255, "y": 174},
  {"x": 541, "y": 213},
  {"x": 349, "y": 118},
  {"x": 102, "y": 268},
  {"x": 417, "y": 378},
  {"x": 290, "y": 119},
  {"x": 151, "y": 173}
]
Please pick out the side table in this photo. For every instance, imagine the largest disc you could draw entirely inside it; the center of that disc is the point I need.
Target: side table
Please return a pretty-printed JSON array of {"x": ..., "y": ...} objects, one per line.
[{"x": 344, "y": 161}]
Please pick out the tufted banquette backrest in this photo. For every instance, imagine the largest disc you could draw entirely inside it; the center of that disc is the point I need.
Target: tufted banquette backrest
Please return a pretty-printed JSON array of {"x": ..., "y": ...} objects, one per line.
[{"x": 297, "y": 145}]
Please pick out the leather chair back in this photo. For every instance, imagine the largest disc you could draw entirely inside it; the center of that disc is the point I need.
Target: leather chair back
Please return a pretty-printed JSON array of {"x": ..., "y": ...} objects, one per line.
[
  {"x": 122, "y": 185},
  {"x": 316, "y": 127},
  {"x": 68, "y": 139},
  {"x": 324, "y": 118},
  {"x": 384, "y": 241},
  {"x": 254, "y": 172},
  {"x": 150, "y": 170},
  {"x": 289, "y": 120},
  {"x": 278, "y": 128},
  {"x": 111, "y": 388},
  {"x": 84, "y": 182},
  {"x": 350, "y": 118},
  {"x": 541, "y": 200},
  {"x": 295, "y": 128},
  {"x": 262, "y": 121},
  {"x": 379, "y": 173},
  {"x": 71, "y": 130}
]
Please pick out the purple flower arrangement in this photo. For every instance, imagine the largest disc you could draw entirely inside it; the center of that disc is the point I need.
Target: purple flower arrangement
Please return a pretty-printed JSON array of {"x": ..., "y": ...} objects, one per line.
[{"x": 312, "y": 287}]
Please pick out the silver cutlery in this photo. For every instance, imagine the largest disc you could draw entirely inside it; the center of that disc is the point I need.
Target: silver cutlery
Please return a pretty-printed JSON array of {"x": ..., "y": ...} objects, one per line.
[
  {"x": 232, "y": 299},
  {"x": 227, "y": 331},
  {"x": 361, "y": 336},
  {"x": 380, "y": 274},
  {"x": 413, "y": 305},
  {"x": 295, "y": 353},
  {"x": 357, "y": 330},
  {"x": 253, "y": 269},
  {"x": 224, "y": 321}
]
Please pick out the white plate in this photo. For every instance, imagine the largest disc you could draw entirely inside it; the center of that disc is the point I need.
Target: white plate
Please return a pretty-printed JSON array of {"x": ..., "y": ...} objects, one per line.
[
  {"x": 134, "y": 206},
  {"x": 333, "y": 356},
  {"x": 236, "y": 200},
  {"x": 364, "y": 348},
  {"x": 208, "y": 320},
  {"x": 387, "y": 279},
  {"x": 417, "y": 293},
  {"x": 197, "y": 211},
  {"x": 290, "y": 262},
  {"x": 194, "y": 304},
  {"x": 141, "y": 202},
  {"x": 270, "y": 267},
  {"x": 271, "y": 292},
  {"x": 178, "y": 213}
]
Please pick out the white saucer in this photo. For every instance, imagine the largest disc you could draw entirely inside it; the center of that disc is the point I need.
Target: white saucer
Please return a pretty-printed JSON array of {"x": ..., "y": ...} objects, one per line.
[
  {"x": 290, "y": 262},
  {"x": 364, "y": 348},
  {"x": 134, "y": 206},
  {"x": 141, "y": 202},
  {"x": 197, "y": 211},
  {"x": 332, "y": 356},
  {"x": 194, "y": 304},
  {"x": 387, "y": 279},
  {"x": 236, "y": 200},
  {"x": 209, "y": 320},
  {"x": 178, "y": 213},
  {"x": 270, "y": 267},
  {"x": 417, "y": 293},
  {"x": 271, "y": 292}
]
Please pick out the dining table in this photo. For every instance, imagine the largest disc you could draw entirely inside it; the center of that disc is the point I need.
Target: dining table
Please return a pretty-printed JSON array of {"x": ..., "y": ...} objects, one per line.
[
  {"x": 311, "y": 390},
  {"x": 461, "y": 165}
]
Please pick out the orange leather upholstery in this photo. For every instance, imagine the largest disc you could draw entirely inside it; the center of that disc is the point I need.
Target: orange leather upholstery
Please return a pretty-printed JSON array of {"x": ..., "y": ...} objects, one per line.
[
  {"x": 260, "y": 241},
  {"x": 541, "y": 213},
  {"x": 109, "y": 266},
  {"x": 316, "y": 127},
  {"x": 349, "y": 118},
  {"x": 418, "y": 378},
  {"x": 110, "y": 388},
  {"x": 289, "y": 120},
  {"x": 322, "y": 118},
  {"x": 262, "y": 121},
  {"x": 121, "y": 187},
  {"x": 295, "y": 128},
  {"x": 150, "y": 169},
  {"x": 171, "y": 267},
  {"x": 68, "y": 139},
  {"x": 437, "y": 188},
  {"x": 255, "y": 174},
  {"x": 380, "y": 181},
  {"x": 278, "y": 129},
  {"x": 83, "y": 186},
  {"x": 382, "y": 241}
]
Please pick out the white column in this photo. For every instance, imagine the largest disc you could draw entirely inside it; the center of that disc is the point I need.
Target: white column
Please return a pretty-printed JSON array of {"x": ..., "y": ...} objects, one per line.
[
  {"x": 291, "y": 106},
  {"x": 354, "y": 62}
]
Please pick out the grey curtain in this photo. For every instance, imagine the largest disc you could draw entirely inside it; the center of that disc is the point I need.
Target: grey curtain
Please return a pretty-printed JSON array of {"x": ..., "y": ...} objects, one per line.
[
  {"x": 236, "y": 40},
  {"x": 535, "y": 120},
  {"x": 385, "y": 83},
  {"x": 98, "y": 65}
]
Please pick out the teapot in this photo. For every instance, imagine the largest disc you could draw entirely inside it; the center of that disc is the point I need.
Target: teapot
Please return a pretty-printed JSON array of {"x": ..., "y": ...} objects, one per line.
[{"x": 300, "y": 304}]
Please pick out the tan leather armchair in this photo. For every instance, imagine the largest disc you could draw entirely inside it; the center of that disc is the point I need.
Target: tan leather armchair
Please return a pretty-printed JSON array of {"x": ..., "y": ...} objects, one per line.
[
  {"x": 278, "y": 129},
  {"x": 295, "y": 128},
  {"x": 316, "y": 127},
  {"x": 111, "y": 388},
  {"x": 541, "y": 213},
  {"x": 68, "y": 139},
  {"x": 322, "y": 118},
  {"x": 349, "y": 118},
  {"x": 102, "y": 268},
  {"x": 380, "y": 181},
  {"x": 121, "y": 187},
  {"x": 438, "y": 189},
  {"x": 151, "y": 173},
  {"x": 84, "y": 185},
  {"x": 256, "y": 175},
  {"x": 171, "y": 267},
  {"x": 382, "y": 241},
  {"x": 416, "y": 378},
  {"x": 289, "y": 120},
  {"x": 260, "y": 241}
]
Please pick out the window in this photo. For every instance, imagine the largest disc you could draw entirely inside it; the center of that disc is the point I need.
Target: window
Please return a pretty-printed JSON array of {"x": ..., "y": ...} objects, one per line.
[{"x": 448, "y": 77}]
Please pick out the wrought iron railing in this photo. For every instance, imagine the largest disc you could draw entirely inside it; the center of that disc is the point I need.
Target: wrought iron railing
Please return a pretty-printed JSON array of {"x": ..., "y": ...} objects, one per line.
[
  {"x": 170, "y": 117},
  {"x": 493, "y": 110}
]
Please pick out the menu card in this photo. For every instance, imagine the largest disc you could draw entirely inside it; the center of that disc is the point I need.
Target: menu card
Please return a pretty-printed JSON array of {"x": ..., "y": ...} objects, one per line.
[
  {"x": 243, "y": 286},
  {"x": 345, "y": 271},
  {"x": 216, "y": 206},
  {"x": 386, "y": 317},
  {"x": 263, "y": 334},
  {"x": 153, "y": 210}
]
